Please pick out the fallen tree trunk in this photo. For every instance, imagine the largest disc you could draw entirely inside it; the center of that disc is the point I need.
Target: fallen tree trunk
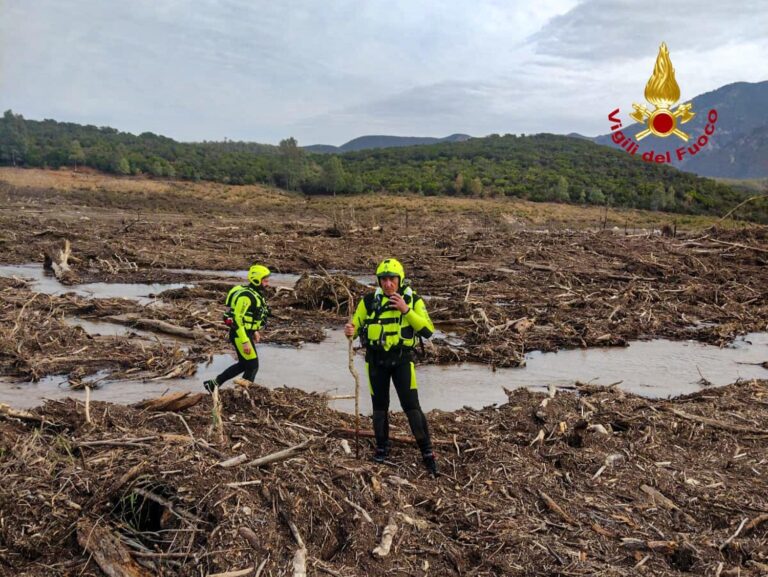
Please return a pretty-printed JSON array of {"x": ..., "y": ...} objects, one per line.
[
  {"x": 159, "y": 326},
  {"x": 177, "y": 401}
]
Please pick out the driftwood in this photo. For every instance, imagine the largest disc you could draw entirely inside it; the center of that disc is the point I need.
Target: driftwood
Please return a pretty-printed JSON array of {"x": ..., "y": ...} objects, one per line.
[
  {"x": 7, "y": 411},
  {"x": 56, "y": 260},
  {"x": 386, "y": 539},
  {"x": 159, "y": 326},
  {"x": 177, "y": 401},
  {"x": 279, "y": 455},
  {"x": 107, "y": 550}
]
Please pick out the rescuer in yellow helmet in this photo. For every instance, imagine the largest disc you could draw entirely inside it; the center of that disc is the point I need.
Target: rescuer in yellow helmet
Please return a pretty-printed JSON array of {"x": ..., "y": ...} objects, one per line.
[
  {"x": 246, "y": 315},
  {"x": 389, "y": 322}
]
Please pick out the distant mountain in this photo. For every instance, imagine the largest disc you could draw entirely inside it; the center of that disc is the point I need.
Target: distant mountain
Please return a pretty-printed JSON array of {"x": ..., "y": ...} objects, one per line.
[
  {"x": 739, "y": 146},
  {"x": 382, "y": 141}
]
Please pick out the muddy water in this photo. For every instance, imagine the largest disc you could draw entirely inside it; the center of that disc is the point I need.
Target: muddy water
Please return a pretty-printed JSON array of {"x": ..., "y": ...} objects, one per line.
[
  {"x": 276, "y": 278},
  {"x": 655, "y": 369},
  {"x": 46, "y": 283},
  {"x": 108, "y": 329}
]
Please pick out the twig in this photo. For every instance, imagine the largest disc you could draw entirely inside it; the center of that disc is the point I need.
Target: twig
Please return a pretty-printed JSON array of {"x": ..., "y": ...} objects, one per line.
[
  {"x": 736, "y": 534},
  {"x": 360, "y": 510},
  {"x": 87, "y": 404},
  {"x": 555, "y": 508},
  {"x": 730, "y": 212}
]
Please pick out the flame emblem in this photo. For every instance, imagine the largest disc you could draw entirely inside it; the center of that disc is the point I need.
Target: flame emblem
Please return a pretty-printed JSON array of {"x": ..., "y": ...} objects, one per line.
[{"x": 662, "y": 91}]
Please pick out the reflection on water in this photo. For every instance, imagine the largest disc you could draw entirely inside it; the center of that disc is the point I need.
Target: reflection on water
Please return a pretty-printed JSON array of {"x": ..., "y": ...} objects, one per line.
[{"x": 655, "y": 369}]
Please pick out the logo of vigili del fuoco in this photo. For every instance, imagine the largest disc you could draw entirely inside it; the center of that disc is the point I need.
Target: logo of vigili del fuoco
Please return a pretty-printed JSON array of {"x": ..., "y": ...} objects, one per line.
[{"x": 662, "y": 91}]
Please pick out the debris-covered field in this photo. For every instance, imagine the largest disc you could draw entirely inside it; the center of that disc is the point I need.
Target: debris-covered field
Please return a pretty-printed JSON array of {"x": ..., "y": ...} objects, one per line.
[
  {"x": 594, "y": 483},
  {"x": 505, "y": 277},
  {"x": 584, "y": 482}
]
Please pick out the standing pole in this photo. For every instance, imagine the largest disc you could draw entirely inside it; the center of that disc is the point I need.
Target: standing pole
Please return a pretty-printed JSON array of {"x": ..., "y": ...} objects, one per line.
[{"x": 356, "y": 376}]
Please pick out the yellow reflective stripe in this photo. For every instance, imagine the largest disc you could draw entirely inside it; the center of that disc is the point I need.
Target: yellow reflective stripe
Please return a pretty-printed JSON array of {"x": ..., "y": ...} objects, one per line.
[{"x": 413, "y": 377}]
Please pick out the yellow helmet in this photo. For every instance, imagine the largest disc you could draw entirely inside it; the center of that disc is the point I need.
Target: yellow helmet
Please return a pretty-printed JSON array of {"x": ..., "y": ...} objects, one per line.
[
  {"x": 391, "y": 267},
  {"x": 257, "y": 273}
]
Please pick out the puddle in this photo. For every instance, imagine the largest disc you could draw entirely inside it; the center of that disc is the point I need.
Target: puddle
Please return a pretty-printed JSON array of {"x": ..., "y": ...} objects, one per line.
[
  {"x": 47, "y": 284},
  {"x": 653, "y": 369}
]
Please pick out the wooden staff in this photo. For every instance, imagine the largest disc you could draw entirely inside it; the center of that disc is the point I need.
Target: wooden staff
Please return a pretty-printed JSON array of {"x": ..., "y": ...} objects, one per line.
[{"x": 357, "y": 385}]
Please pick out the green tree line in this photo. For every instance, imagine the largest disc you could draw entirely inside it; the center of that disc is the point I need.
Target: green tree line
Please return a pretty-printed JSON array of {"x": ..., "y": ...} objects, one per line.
[{"x": 541, "y": 167}]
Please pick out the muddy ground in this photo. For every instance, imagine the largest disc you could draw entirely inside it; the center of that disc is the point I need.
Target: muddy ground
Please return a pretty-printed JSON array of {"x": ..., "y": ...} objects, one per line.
[
  {"x": 506, "y": 281},
  {"x": 594, "y": 483}
]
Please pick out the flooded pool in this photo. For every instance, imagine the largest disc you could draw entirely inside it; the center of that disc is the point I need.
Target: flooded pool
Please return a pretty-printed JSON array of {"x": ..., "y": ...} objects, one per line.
[
  {"x": 658, "y": 368},
  {"x": 46, "y": 283}
]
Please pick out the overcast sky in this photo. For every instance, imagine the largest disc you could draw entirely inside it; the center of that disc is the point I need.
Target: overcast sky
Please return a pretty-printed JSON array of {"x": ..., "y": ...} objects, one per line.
[{"x": 326, "y": 72}]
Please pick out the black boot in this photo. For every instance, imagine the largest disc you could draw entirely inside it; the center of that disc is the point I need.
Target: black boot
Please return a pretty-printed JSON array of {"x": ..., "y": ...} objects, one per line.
[
  {"x": 381, "y": 432},
  {"x": 430, "y": 463},
  {"x": 210, "y": 385},
  {"x": 420, "y": 430}
]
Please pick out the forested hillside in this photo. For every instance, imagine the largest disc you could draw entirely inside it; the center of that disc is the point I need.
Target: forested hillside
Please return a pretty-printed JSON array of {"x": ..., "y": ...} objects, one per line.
[{"x": 540, "y": 167}]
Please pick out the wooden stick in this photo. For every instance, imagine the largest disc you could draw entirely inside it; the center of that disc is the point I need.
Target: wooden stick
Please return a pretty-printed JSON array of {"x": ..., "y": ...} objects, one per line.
[
  {"x": 218, "y": 423},
  {"x": 87, "y": 404},
  {"x": 757, "y": 521},
  {"x": 360, "y": 510},
  {"x": 356, "y": 376},
  {"x": 353, "y": 370},
  {"x": 233, "y": 462},
  {"x": 279, "y": 455},
  {"x": 555, "y": 508},
  {"x": 736, "y": 534}
]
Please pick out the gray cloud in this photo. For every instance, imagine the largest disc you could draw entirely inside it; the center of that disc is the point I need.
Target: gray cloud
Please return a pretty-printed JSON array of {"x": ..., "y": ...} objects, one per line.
[
  {"x": 611, "y": 30},
  {"x": 327, "y": 72}
]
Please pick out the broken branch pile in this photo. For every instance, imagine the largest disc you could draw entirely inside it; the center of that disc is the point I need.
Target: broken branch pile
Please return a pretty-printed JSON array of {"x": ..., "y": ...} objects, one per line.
[{"x": 599, "y": 483}]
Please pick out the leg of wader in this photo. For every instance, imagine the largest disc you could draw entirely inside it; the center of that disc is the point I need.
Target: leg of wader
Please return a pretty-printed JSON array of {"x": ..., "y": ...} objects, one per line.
[
  {"x": 404, "y": 378},
  {"x": 241, "y": 365},
  {"x": 378, "y": 381},
  {"x": 250, "y": 366}
]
